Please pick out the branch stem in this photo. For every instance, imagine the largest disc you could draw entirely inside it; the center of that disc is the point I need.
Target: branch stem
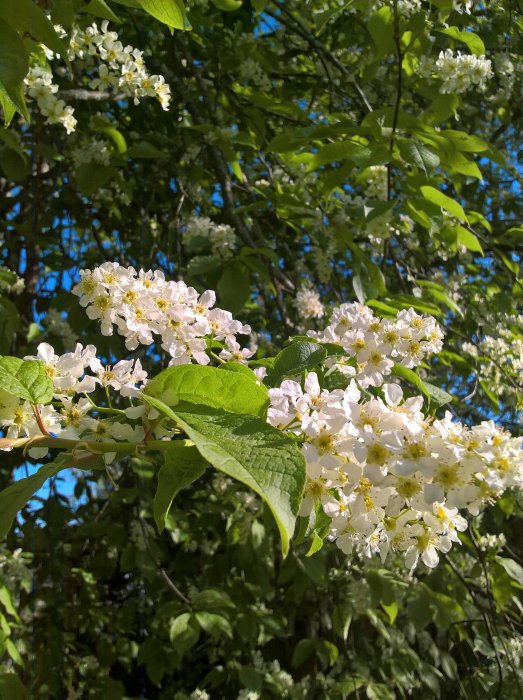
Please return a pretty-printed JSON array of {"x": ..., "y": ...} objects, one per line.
[{"x": 91, "y": 446}]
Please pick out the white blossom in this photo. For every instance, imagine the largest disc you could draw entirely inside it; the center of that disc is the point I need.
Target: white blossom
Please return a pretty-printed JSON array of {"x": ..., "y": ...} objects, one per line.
[
  {"x": 120, "y": 69},
  {"x": 390, "y": 479},
  {"x": 143, "y": 305},
  {"x": 308, "y": 304},
  {"x": 372, "y": 345},
  {"x": 40, "y": 86},
  {"x": 221, "y": 237},
  {"x": 459, "y": 72}
]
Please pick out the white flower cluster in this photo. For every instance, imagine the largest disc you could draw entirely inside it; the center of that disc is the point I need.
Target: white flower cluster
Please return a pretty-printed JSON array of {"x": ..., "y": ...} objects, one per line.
[
  {"x": 372, "y": 345},
  {"x": 409, "y": 7},
  {"x": 55, "y": 324},
  {"x": 308, "y": 304},
  {"x": 492, "y": 542},
  {"x": 250, "y": 71},
  {"x": 142, "y": 305},
  {"x": 221, "y": 237},
  {"x": 67, "y": 418},
  {"x": 389, "y": 478},
  {"x": 500, "y": 356},
  {"x": 15, "y": 570},
  {"x": 459, "y": 72},
  {"x": 122, "y": 70},
  {"x": 323, "y": 256},
  {"x": 463, "y": 6},
  {"x": 405, "y": 7},
  {"x": 11, "y": 282},
  {"x": 40, "y": 86},
  {"x": 379, "y": 228},
  {"x": 91, "y": 151},
  {"x": 508, "y": 69},
  {"x": 377, "y": 187},
  {"x": 515, "y": 649}
]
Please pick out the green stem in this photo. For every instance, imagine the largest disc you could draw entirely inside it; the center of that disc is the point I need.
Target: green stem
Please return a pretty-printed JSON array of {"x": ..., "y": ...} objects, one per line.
[
  {"x": 216, "y": 357},
  {"x": 88, "y": 446},
  {"x": 103, "y": 409}
]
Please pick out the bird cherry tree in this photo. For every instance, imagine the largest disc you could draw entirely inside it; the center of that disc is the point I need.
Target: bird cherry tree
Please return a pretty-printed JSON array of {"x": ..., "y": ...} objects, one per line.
[{"x": 260, "y": 359}]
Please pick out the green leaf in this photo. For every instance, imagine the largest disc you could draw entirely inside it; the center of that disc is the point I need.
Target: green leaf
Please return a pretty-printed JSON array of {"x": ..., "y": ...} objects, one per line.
[
  {"x": 442, "y": 107},
  {"x": 182, "y": 465},
  {"x": 128, "y": 3},
  {"x": 9, "y": 323},
  {"x": 152, "y": 655},
  {"x": 367, "y": 279},
  {"x": 234, "y": 287},
  {"x": 13, "y": 166},
  {"x": 184, "y": 632},
  {"x": 338, "y": 151},
  {"x": 111, "y": 132},
  {"x": 316, "y": 545},
  {"x": 381, "y": 29},
  {"x": 433, "y": 195},
  {"x": 26, "y": 16},
  {"x": 239, "y": 368},
  {"x": 323, "y": 18},
  {"x": 26, "y": 379},
  {"x": 212, "y": 600},
  {"x": 214, "y": 624},
  {"x": 12, "y": 687},
  {"x": 14, "y": 64},
  {"x": 170, "y": 12},
  {"x": 303, "y": 651},
  {"x": 90, "y": 177},
  {"x": 410, "y": 376},
  {"x": 459, "y": 163},
  {"x": 13, "y": 652},
  {"x": 7, "y": 105},
  {"x": 473, "y": 41},
  {"x": 438, "y": 397},
  {"x": 228, "y": 5},
  {"x": 421, "y": 217},
  {"x": 62, "y": 12},
  {"x": 438, "y": 292},
  {"x": 7, "y": 602},
  {"x": 490, "y": 394},
  {"x": 511, "y": 265},
  {"x": 209, "y": 386},
  {"x": 15, "y": 496},
  {"x": 259, "y": 5},
  {"x": 160, "y": 406},
  {"x": 146, "y": 150},
  {"x": 99, "y": 8},
  {"x": 467, "y": 143},
  {"x": 391, "y": 610},
  {"x": 179, "y": 625},
  {"x": 469, "y": 240},
  {"x": 417, "y": 154},
  {"x": 294, "y": 359},
  {"x": 513, "y": 569},
  {"x": 256, "y": 454},
  {"x": 202, "y": 264}
]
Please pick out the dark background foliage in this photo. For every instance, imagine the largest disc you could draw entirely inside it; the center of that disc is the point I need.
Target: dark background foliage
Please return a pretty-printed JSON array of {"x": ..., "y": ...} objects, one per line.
[{"x": 278, "y": 112}]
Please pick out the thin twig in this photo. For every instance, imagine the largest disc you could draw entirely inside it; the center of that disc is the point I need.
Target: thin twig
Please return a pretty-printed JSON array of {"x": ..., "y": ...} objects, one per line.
[
  {"x": 40, "y": 422},
  {"x": 160, "y": 569},
  {"x": 486, "y": 623}
]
